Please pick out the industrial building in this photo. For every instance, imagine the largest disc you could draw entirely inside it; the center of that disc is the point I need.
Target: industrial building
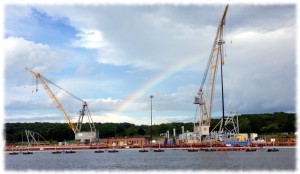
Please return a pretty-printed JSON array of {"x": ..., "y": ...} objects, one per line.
[{"x": 127, "y": 142}]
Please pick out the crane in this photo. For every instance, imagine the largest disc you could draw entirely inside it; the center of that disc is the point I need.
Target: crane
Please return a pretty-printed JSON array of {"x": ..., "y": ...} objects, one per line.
[
  {"x": 79, "y": 135},
  {"x": 205, "y": 95}
]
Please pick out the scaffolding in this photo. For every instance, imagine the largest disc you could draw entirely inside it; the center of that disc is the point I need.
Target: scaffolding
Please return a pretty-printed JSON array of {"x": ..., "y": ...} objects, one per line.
[{"x": 33, "y": 138}]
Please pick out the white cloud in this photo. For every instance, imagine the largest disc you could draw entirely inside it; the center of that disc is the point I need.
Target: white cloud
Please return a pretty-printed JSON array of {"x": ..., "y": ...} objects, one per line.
[
  {"x": 83, "y": 70},
  {"x": 259, "y": 68},
  {"x": 182, "y": 99},
  {"x": 34, "y": 117},
  {"x": 103, "y": 104},
  {"x": 20, "y": 86},
  {"x": 89, "y": 87},
  {"x": 21, "y": 53},
  {"x": 90, "y": 39},
  {"x": 170, "y": 119},
  {"x": 123, "y": 34},
  {"x": 29, "y": 104},
  {"x": 17, "y": 13}
]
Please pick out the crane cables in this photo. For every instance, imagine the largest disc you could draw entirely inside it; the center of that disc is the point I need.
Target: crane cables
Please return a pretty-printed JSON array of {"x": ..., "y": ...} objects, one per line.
[
  {"x": 49, "y": 81},
  {"x": 222, "y": 22}
]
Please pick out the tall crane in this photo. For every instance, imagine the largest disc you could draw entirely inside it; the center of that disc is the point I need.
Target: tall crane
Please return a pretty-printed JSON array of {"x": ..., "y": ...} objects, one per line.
[
  {"x": 205, "y": 96},
  {"x": 79, "y": 135}
]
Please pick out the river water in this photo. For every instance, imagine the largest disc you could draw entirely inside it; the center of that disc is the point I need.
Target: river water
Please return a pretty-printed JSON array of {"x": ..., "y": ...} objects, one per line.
[{"x": 132, "y": 160}]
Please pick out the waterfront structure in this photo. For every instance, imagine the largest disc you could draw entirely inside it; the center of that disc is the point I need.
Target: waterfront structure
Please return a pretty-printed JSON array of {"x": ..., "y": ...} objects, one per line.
[
  {"x": 127, "y": 142},
  {"x": 205, "y": 99},
  {"x": 83, "y": 136},
  {"x": 205, "y": 96}
]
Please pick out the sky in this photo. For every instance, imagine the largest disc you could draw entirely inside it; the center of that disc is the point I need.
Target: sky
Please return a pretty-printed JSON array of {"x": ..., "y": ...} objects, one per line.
[{"x": 114, "y": 56}]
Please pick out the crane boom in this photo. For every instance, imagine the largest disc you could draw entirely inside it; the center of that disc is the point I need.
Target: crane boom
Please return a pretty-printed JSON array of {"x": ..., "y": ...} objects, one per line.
[
  {"x": 205, "y": 94},
  {"x": 55, "y": 100}
]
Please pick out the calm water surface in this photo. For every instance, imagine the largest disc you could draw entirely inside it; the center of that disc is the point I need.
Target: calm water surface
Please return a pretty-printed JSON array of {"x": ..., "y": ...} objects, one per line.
[{"x": 284, "y": 160}]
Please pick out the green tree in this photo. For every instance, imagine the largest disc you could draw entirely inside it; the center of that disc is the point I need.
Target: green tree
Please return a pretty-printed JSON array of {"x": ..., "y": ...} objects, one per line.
[
  {"x": 131, "y": 131},
  {"x": 61, "y": 132},
  {"x": 259, "y": 123},
  {"x": 120, "y": 131},
  {"x": 106, "y": 130},
  {"x": 141, "y": 131},
  {"x": 244, "y": 124},
  {"x": 263, "y": 129},
  {"x": 272, "y": 128}
]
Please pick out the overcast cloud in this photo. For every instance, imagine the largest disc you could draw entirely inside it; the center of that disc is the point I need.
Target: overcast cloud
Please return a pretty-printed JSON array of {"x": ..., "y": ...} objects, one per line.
[{"x": 105, "y": 53}]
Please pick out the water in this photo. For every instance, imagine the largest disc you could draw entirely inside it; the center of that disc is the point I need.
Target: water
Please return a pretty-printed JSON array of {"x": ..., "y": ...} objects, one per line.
[{"x": 132, "y": 160}]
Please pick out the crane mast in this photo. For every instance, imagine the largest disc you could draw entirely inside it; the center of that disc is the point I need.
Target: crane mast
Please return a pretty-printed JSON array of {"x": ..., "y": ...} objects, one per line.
[
  {"x": 205, "y": 96},
  {"x": 83, "y": 136}
]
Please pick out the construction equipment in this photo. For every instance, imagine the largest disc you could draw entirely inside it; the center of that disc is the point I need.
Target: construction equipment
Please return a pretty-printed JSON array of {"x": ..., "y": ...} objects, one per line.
[
  {"x": 84, "y": 137},
  {"x": 33, "y": 138},
  {"x": 204, "y": 99},
  {"x": 229, "y": 131}
]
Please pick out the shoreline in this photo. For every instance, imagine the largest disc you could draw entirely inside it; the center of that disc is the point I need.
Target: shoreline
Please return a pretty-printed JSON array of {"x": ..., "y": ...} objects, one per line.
[{"x": 88, "y": 148}]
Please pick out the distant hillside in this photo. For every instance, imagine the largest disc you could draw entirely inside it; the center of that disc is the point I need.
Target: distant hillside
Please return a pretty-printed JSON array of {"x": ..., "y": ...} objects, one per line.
[{"x": 259, "y": 123}]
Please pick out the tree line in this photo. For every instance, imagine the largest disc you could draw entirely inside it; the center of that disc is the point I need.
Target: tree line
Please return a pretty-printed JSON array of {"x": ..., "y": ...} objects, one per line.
[{"x": 267, "y": 123}]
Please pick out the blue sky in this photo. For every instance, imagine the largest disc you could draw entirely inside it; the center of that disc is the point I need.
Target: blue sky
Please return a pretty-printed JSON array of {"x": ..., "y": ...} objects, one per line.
[{"x": 105, "y": 54}]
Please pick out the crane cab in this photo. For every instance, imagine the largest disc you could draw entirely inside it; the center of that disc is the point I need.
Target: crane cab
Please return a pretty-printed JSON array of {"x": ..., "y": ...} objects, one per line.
[{"x": 87, "y": 137}]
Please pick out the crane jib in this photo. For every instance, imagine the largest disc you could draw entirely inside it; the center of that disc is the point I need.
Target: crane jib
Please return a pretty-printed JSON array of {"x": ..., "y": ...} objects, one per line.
[{"x": 43, "y": 81}]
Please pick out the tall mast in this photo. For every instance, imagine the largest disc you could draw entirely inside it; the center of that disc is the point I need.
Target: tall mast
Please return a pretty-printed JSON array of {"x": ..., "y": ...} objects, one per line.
[
  {"x": 223, "y": 109},
  {"x": 205, "y": 97}
]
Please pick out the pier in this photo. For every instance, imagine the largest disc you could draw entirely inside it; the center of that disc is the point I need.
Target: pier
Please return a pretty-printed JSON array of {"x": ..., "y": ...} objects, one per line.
[{"x": 198, "y": 146}]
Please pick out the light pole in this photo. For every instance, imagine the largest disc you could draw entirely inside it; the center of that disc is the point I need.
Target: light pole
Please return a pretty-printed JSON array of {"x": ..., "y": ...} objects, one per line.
[{"x": 151, "y": 97}]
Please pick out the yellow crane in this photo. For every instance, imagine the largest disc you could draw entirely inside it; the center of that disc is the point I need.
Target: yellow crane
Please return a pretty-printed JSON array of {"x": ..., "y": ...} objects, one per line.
[
  {"x": 83, "y": 136},
  {"x": 205, "y": 96}
]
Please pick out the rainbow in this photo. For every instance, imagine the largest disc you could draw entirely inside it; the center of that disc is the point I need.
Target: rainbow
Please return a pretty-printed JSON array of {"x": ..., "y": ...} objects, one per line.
[{"x": 154, "y": 81}]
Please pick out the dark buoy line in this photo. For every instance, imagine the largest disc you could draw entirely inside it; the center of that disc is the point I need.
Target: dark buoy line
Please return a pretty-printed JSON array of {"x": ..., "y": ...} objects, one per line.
[
  {"x": 113, "y": 151},
  {"x": 250, "y": 150},
  {"x": 273, "y": 150},
  {"x": 158, "y": 150},
  {"x": 99, "y": 151},
  {"x": 13, "y": 153},
  {"x": 144, "y": 150},
  {"x": 192, "y": 150},
  {"x": 56, "y": 152},
  {"x": 70, "y": 151}
]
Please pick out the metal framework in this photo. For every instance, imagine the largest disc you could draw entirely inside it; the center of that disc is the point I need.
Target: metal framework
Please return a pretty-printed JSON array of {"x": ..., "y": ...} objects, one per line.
[
  {"x": 204, "y": 99},
  {"x": 230, "y": 121},
  {"x": 227, "y": 131},
  {"x": 33, "y": 138},
  {"x": 84, "y": 111}
]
